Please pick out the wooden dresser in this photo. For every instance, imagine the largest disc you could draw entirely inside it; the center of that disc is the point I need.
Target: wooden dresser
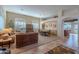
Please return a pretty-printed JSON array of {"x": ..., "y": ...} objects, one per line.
[{"x": 24, "y": 39}]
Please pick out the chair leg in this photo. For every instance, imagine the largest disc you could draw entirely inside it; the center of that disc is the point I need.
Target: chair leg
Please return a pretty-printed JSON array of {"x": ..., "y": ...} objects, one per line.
[
  {"x": 2, "y": 44},
  {"x": 9, "y": 44}
]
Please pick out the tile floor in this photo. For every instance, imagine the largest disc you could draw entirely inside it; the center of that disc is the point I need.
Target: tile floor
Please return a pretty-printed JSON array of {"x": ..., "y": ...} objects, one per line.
[
  {"x": 41, "y": 41},
  {"x": 72, "y": 41},
  {"x": 48, "y": 43}
]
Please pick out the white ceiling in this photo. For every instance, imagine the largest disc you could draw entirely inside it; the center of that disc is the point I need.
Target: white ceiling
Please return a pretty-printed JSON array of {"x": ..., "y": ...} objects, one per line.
[{"x": 41, "y": 11}]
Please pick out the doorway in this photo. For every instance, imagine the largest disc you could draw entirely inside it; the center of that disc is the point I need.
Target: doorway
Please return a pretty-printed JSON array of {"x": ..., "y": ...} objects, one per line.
[{"x": 71, "y": 33}]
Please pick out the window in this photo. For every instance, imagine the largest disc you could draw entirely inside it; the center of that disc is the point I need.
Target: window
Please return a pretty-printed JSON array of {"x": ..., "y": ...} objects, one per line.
[
  {"x": 67, "y": 26},
  {"x": 20, "y": 25},
  {"x": 76, "y": 28},
  {"x": 1, "y": 23},
  {"x": 35, "y": 25}
]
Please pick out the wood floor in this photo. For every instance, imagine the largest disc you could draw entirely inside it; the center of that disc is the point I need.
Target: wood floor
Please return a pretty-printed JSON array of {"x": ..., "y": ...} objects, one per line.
[
  {"x": 47, "y": 43},
  {"x": 72, "y": 42}
]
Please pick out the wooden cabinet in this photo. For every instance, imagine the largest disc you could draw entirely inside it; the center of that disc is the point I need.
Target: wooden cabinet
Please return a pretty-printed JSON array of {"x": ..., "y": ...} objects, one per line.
[
  {"x": 26, "y": 39},
  {"x": 29, "y": 28}
]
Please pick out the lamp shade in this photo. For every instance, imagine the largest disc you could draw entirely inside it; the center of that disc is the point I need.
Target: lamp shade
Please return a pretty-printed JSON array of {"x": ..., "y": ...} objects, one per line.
[{"x": 7, "y": 30}]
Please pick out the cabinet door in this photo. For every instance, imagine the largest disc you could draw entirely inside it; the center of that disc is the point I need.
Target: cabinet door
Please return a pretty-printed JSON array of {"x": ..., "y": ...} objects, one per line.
[{"x": 19, "y": 41}]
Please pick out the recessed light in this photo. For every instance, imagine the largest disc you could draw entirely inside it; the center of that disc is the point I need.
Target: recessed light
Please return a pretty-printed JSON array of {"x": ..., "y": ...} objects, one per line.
[{"x": 22, "y": 9}]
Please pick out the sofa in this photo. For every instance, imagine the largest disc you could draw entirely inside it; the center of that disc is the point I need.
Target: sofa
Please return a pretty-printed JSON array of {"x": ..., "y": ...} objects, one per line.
[{"x": 6, "y": 39}]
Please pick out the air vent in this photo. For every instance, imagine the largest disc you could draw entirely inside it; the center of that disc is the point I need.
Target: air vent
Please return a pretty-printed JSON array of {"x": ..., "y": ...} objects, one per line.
[
  {"x": 72, "y": 20},
  {"x": 55, "y": 17}
]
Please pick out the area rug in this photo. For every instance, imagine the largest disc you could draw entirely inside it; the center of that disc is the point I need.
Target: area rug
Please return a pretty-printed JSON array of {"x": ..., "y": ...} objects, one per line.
[{"x": 61, "y": 50}]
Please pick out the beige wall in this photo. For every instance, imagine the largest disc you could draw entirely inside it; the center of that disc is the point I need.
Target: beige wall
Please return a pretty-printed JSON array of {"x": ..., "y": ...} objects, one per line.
[
  {"x": 50, "y": 24},
  {"x": 27, "y": 19}
]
